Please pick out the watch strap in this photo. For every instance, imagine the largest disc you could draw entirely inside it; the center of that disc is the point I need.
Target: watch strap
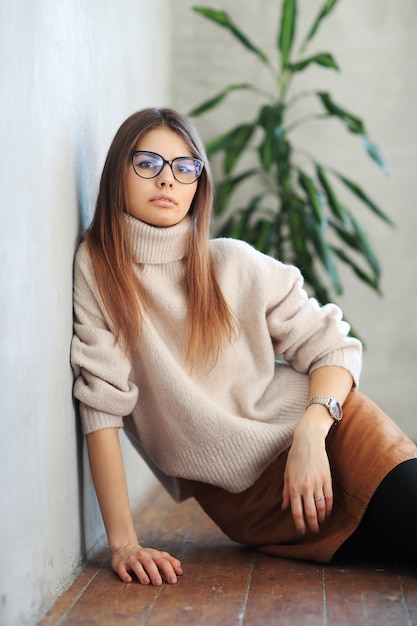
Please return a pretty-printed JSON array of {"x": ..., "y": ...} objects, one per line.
[{"x": 328, "y": 403}]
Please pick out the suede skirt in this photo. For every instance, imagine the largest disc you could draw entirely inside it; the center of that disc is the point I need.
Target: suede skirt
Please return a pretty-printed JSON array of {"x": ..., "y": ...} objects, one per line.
[{"x": 362, "y": 449}]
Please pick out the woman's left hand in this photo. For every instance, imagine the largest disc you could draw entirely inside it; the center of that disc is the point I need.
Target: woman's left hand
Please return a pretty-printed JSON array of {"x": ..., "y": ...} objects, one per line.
[{"x": 307, "y": 479}]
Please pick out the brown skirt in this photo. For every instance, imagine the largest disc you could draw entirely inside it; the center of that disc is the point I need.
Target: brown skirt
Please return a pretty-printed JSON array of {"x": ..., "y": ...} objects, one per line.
[{"x": 363, "y": 448}]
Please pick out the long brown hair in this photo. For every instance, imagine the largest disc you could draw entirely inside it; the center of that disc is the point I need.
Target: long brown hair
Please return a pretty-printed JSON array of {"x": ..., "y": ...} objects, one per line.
[{"x": 210, "y": 321}]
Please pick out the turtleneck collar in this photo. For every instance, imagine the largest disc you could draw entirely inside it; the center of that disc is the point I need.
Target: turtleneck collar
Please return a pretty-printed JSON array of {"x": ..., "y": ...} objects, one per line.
[{"x": 154, "y": 245}]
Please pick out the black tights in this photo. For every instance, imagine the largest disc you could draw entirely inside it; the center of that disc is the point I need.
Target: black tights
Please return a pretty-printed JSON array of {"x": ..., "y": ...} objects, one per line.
[{"x": 389, "y": 526}]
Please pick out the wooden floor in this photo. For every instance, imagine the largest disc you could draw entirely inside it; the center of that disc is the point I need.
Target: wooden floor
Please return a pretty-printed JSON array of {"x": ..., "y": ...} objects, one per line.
[{"x": 226, "y": 585}]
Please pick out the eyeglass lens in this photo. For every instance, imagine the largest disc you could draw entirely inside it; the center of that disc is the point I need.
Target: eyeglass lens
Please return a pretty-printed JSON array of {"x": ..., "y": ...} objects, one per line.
[{"x": 149, "y": 164}]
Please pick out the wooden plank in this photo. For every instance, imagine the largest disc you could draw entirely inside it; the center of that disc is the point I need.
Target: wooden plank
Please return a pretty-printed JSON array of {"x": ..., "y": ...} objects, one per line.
[
  {"x": 284, "y": 592},
  {"x": 215, "y": 584},
  {"x": 407, "y": 577},
  {"x": 108, "y": 601},
  {"x": 365, "y": 594},
  {"x": 70, "y": 597}
]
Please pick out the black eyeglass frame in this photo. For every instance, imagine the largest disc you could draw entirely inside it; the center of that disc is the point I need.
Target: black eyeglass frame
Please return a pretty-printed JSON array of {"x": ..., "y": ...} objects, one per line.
[{"x": 133, "y": 153}]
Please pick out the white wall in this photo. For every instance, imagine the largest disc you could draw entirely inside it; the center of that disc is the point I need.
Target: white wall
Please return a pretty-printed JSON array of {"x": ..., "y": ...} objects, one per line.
[
  {"x": 71, "y": 72},
  {"x": 375, "y": 45}
]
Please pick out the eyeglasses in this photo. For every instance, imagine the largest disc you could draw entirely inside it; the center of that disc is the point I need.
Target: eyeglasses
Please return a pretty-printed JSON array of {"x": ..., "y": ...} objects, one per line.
[{"x": 186, "y": 170}]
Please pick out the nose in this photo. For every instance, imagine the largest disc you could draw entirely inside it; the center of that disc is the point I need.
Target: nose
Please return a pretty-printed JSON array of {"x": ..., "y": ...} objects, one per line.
[{"x": 166, "y": 177}]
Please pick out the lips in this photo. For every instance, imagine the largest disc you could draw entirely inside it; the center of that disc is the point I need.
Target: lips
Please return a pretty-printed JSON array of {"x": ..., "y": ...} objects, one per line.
[{"x": 164, "y": 201}]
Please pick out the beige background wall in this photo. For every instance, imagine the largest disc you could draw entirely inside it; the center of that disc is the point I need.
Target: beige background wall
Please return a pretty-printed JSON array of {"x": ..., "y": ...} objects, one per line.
[{"x": 375, "y": 45}]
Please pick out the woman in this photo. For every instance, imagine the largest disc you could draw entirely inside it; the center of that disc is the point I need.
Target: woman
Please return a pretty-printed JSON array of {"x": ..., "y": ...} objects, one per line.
[{"x": 176, "y": 340}]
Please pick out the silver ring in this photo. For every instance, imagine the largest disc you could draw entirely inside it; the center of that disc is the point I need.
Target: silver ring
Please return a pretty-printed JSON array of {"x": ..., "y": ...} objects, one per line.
[{"x": 320, "y": 498}]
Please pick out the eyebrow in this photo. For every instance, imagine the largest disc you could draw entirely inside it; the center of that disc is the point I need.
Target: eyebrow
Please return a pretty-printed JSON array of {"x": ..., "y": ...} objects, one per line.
[{"x": 180, "y": 156}]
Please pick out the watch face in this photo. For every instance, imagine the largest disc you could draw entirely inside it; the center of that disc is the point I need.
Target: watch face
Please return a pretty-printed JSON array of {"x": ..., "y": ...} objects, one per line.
[{"x": 335, "y": 410}]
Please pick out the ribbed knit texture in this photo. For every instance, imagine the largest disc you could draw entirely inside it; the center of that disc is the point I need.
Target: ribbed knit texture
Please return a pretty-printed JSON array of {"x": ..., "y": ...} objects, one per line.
[{"x": 222, "y": 426}]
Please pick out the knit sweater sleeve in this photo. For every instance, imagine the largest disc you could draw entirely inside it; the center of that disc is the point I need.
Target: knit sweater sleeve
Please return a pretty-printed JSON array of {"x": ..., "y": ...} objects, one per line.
[
  {"x": 305, "y": 334},
  {"x": 308, "y": 335},
  {"x": 101, "y": 367}
]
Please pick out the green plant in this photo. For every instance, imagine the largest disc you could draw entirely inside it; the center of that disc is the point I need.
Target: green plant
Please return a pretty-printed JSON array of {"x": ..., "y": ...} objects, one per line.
[{"x": 295, "y": 213}]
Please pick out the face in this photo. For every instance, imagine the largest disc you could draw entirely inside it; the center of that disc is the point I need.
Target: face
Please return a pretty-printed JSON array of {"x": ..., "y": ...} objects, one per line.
[{"x": 161, "y": 201}]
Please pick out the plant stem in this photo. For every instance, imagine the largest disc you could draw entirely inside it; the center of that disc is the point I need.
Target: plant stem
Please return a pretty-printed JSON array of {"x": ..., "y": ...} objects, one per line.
[{"x": 284, "y": 83}]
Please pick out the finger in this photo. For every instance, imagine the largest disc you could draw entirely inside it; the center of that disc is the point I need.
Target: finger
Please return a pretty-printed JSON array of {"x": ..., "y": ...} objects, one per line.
[
  {"x": 298, "y": 513},
  {"x": 152, "y": 571},
  {"x": 172, "y": 559},
  {"x": 166, "y": 568},
  {"x": 122, "y": 572},
  {"x": 150, "y": 564},
  {"x": 285, "y": 497},
  {"x": 329, "y": 501},
  {"x": 143, "y": 568},
  {"x": 133, "y": 565},
  {"x": 156, "y": 562},
  {"x": 320, "y": 504},
  {"x": 175, "y": 563},
  {"x": 311, "y": 514}
]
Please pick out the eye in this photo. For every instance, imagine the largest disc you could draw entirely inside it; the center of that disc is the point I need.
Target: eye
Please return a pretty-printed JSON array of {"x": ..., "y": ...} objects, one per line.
[
  {"x": 186, "y": 168},
  {"x": 145, "y": 162},
  {"x": 145, "y": 165}
]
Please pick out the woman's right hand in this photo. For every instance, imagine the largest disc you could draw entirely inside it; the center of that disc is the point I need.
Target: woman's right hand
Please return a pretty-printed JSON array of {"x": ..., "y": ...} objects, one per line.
[{"x": 148, "y": 564}]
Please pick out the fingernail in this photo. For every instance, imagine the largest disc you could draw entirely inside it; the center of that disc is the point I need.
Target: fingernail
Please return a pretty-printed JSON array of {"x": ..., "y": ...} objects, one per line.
[
  {"x": 157, "y": 581},
  {"x": 145, "y": 580},
  {"x": 172, "y": 580}
]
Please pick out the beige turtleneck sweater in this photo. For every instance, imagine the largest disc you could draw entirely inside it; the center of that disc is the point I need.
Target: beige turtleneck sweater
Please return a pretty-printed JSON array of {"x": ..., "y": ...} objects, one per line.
[{"x": 225, "y": 426}]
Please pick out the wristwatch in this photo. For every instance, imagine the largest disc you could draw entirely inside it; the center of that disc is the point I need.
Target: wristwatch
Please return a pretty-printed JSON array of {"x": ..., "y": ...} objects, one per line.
[{"x": 332, "y": 405}]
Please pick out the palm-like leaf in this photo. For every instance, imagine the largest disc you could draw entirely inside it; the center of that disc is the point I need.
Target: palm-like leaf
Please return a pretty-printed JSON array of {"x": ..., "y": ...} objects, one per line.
[
  {"x": 287, "y": 30},
  {"x": 327, "y": 8},
  {"x": 323, "y": 58},
  {"x": 223, "y": 19},
  {"x": 214, "y": 102}
]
